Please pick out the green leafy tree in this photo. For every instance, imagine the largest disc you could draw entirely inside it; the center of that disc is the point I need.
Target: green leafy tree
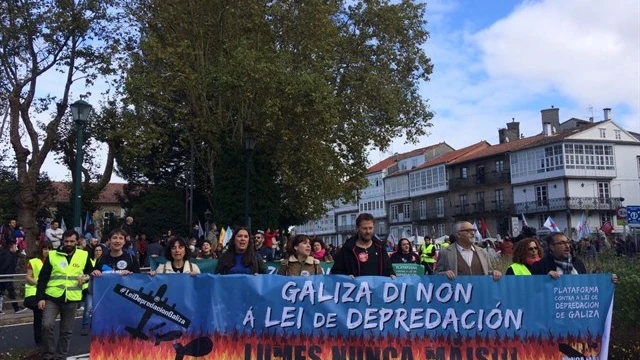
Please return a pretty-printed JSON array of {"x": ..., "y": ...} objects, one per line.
[
  {"x": 156, "y": 210},
  {"x": 78, "y": 40},
  {"x": 316, "y": 82}
]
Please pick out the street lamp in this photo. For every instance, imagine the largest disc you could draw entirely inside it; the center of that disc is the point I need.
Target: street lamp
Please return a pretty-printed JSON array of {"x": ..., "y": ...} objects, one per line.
[
  {"x": 80, "y": 111},
  {"x": 249, "y": 144}
]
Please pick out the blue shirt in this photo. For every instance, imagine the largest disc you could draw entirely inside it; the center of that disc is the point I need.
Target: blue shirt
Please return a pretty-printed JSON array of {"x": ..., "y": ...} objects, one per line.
[{"x": 238, "y": 267}]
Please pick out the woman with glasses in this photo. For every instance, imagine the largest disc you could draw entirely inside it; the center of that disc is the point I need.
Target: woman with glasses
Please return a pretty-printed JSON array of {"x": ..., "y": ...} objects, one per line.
[{"x": 526, "y": 253}]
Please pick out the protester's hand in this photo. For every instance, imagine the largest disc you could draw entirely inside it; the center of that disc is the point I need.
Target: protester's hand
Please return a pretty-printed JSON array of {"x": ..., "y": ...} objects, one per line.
[
  {"x": 193, "y": 274},
  {"x": 41, "y": 304},
  {"x": 125, "y": 272},
  {"x": 152, "y": 273},
  {"x": 352, "y": 277},
  {"x": 83, "y": 279},
  {"x": 393, "y": 277},
  {"x": 554, "y": 274},
  {"x": 450, "y": 274},
  {"x": 614, "y": 278},
  {"x": 96, "y": 273},
  {"x": 496, "y": 275}
]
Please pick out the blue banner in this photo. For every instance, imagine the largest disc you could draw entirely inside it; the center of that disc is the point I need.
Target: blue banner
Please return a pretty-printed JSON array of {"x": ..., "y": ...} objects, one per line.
[{"x": 331, "y": 317}]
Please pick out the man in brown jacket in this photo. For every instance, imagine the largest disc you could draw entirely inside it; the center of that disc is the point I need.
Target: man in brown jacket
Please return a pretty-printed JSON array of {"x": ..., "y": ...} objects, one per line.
[{"x": 464, "y": 258}]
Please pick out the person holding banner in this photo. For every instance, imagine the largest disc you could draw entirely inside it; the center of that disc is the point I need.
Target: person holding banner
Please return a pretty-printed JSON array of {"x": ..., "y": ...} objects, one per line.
[
  {"x": 405, "y": 254},
  {"x": 176, "y": 252},
  {"x": 117, "y": 260},
  {"x": 526, "y": 253},
  {"x": 464, "y": 258},
  {"x": 300, "y": 262},
  {"x": 361, "y": 254},
  {"x": 59, "y": 291},
  {"x": 241, "y": 257},
  {"x": 558, "y": 260}
]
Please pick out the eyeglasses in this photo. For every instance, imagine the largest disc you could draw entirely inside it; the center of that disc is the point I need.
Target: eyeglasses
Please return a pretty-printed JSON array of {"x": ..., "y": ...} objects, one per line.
[
  {"x": 562, "y": 243},
  {"x": 535, "y": 248},
  {"x": 467, "y": 230}
]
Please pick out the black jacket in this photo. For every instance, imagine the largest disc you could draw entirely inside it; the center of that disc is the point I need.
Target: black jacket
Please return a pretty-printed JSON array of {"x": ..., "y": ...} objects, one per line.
[
  {"x": 346, "y": 261},
  {"x": 8, "y": 261},
  {"x": 547, "y": 264}
]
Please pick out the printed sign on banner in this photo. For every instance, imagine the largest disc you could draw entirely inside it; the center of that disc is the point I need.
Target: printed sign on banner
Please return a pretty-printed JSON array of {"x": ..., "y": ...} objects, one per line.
[{"x": 335, "y": 317}]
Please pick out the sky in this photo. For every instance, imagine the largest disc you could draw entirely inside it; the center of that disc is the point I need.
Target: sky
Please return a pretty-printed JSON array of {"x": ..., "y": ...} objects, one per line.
[{"x": 499, "y": 60}]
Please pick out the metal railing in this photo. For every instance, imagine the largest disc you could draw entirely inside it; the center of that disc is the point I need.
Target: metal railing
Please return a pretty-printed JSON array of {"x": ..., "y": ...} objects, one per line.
[
  {"x": 19, "y": 280},
  {"x": 568, "y": 203}
]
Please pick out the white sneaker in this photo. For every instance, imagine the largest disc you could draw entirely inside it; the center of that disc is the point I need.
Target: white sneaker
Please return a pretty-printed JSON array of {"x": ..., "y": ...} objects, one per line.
[
  {"x": 24, "y": 253},
  {"x": 21, "y": 310},
  {"x": 81, "y": 308}
]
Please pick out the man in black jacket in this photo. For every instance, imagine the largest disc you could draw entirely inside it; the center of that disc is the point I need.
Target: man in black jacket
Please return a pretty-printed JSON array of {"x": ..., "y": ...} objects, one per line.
[
  {"x": 362, "y": 255},
  {"x": 558, "y": 259},
  {"x": 8, "y": 265}
]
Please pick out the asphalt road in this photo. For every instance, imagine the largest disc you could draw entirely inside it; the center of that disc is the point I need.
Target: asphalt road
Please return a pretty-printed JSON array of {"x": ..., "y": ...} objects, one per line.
[{"x": 20, "y": 336}]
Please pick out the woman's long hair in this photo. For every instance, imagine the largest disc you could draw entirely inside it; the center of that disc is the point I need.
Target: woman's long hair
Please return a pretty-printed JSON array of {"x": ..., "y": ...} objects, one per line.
[
  {"x": 172, "y": 241},
  {"x": 521, "y": 250},
  {"x": 228, "y": 258}
]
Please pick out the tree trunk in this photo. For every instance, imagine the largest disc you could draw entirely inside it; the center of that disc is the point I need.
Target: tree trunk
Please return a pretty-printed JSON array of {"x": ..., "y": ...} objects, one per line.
[{"x": 27, "y": 210}]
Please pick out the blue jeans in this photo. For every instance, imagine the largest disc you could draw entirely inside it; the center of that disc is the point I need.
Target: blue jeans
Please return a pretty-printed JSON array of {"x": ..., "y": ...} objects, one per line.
[{"x": 88, "y": 311}]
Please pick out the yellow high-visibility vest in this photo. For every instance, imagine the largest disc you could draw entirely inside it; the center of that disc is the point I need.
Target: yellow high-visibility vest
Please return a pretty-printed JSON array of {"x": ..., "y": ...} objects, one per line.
[
  {"x": 36, "y": 266},
  {"x": 64, "y": 275},
  {"x": 424, "y": 253},
  {"x": 519, "y": 269}
]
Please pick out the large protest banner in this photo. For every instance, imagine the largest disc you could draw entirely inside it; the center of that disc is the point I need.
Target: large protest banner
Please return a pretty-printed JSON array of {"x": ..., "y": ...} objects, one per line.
[{"x": 334, "y": 317}]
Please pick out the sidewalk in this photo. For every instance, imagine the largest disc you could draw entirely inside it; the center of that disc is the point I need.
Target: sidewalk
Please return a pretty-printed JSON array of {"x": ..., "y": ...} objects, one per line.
[{"x": 11, "y": 318}]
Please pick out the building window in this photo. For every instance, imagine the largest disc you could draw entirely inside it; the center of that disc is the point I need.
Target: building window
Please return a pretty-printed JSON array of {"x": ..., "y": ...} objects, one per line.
[
  {"x": 603, "y": 192},
  {"x": 394, "y": 212},
  {"x": 343, "y": 220},
  {"x": 542, "y": 195},
  {"x": 423, "y": 209},
  {"x": 463, "y": 203},
  {"x": 423, "y": 230},
  {"x": 499, "y": 166},
  {"x": 618, "y": 134},
  {"x": 499, "y": 195},
  {"x": 604, "y": 217},
  {"x": 464, "y": 173},
  {"x": 638, "y": 158},
  {"x": 406, "y": 210},
  {"x": 480, "y": 201},
  {"x": 353, "y": 219},
  {"x": 441, "y": 230},
  {"x": 603, "y": 133},
  {"x": 440, "y": 206}
]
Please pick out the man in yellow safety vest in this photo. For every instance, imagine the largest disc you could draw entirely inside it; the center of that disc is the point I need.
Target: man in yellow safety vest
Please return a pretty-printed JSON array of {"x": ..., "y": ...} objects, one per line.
[
  {"x": 427, "y": 255},
  {"x": 59, "y": 291}
]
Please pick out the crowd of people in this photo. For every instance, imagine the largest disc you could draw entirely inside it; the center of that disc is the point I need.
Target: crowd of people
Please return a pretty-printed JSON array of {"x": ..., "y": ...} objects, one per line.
[{"x": 58, "y": 277}]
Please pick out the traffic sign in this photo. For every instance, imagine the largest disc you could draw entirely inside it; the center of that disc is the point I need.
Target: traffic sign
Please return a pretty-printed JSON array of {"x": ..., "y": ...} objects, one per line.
[
  {"x": 621, "y": 215},
  {"x": 633, "y": 215}
]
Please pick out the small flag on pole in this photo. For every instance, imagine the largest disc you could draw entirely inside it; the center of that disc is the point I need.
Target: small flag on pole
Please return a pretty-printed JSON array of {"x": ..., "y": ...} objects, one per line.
[
  {"x": 200, "y": 231},
  {"x": 63, "y": 226},
  {"x": 551, "y": 225}
]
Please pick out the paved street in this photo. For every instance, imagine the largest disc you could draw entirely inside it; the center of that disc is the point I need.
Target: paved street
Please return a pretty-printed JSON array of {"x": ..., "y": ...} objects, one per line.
[{"x": 20, "y": 336}]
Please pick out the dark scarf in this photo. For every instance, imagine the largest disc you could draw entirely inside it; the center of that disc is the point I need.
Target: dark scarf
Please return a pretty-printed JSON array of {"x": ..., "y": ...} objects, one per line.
[{"x": 565, "y": 265}]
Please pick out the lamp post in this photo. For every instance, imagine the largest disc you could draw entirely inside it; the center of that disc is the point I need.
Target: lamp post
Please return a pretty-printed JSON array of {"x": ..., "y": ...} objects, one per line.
[
  {"x": 249, "y": 144},
  {"x": 80, "y": 111}
]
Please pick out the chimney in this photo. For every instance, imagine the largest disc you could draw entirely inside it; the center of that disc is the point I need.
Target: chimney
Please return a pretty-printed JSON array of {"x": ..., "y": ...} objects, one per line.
[
  {"x": 513, "y": 129},
  {"x": 551, "y": 116},
  {"x": 502, "y": 136},
  {"x": 607, "y": 113}
]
